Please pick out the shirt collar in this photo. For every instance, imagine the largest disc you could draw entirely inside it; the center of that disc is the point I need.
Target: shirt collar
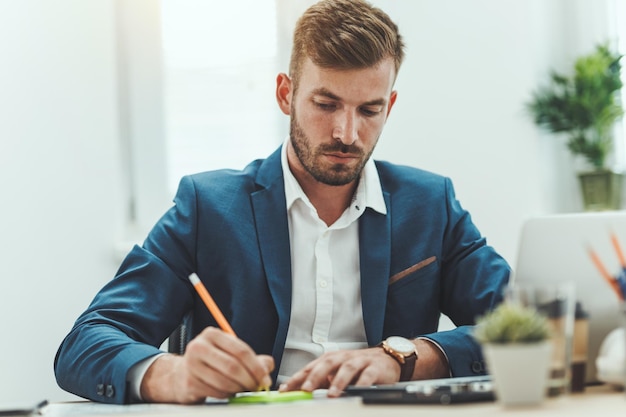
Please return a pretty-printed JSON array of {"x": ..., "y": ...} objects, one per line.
[{"x": 369, "y": 192}]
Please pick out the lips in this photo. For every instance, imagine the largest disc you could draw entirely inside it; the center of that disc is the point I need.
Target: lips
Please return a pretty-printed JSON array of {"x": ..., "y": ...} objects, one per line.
[{"x": 341, "y": 157}]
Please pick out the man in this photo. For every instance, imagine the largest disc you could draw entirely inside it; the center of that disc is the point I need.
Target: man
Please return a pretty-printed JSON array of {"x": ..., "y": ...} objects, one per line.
[{"x": 321, "y": 259}]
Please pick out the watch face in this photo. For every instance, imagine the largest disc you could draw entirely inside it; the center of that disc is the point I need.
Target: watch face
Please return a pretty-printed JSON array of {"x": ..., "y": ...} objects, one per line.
[{"x": 401, "y": 345}]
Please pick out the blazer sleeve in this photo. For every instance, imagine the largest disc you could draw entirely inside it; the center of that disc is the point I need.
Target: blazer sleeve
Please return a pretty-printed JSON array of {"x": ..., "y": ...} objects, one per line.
[
  {"x": 473, "y": 278},
  {"x": 133, "y": 314}
]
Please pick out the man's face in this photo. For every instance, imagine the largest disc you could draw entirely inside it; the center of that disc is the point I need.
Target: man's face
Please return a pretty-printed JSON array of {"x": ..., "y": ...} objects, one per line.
[{"x": 337, "y": 117}]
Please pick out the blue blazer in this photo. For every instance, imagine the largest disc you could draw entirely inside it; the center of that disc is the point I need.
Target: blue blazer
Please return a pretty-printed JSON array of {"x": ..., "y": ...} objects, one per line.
[{"x": 231, "y": 228}]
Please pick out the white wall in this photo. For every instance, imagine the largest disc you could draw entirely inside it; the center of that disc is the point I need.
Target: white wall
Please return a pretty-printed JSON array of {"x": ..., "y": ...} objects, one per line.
[
  {"x": 470, "y": 66},
  {"x": 59, "y": 175},
  {"x": 469, "y": 69}
]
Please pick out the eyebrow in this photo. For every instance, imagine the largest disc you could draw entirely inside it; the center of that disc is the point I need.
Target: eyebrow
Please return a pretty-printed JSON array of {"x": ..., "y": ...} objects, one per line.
[{"x": 327, "y": 93}]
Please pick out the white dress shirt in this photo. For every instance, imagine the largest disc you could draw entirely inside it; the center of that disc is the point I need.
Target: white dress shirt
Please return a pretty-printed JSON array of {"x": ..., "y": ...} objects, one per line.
[{"x": 326, "y": 312}]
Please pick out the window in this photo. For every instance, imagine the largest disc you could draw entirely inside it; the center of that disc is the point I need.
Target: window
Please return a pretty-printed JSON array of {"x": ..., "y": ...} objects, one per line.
[
  {"x": 196, "y": 92},
  {"x": 220, "y": 65},
  {"x": 197, "y": 83},
  {"x": 619, "y": 11}
]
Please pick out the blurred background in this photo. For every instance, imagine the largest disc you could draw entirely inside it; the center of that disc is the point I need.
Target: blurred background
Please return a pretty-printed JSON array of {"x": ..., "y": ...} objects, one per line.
[{"x": 105, "y": 104}]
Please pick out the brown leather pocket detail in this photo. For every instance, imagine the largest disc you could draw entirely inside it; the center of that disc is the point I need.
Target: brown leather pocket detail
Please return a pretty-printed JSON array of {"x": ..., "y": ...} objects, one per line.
[{"x": 411, "y": 269}]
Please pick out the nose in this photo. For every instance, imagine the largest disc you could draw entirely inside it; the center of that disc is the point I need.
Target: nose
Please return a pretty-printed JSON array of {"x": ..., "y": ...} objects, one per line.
[{"x": 345, "y": 129}]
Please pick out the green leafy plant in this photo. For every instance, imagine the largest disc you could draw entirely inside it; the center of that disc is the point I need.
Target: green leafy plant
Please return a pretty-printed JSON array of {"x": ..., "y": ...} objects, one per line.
[
  {"x": 511, "y": 323},
  {"x": 584, "y": 105}
]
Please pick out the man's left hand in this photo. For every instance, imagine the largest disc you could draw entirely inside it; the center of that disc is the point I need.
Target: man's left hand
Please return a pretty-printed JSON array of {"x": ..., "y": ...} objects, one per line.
[
  {"x": 336, "y": 370},
  {"x": 364, "y": 367}
]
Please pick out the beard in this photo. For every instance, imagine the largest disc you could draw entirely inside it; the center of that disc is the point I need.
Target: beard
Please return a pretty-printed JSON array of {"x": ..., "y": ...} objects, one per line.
[{"x": 310, "y": 157}]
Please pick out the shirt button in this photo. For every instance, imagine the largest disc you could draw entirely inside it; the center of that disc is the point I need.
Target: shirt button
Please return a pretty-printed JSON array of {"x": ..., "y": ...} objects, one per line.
[{"x": 323, "y": 283}]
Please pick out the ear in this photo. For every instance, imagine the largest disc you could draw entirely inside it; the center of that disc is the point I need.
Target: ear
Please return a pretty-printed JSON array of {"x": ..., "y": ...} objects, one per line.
[
  {"x": 284, "y": 92},
  {"x": 392, "y": 100}
]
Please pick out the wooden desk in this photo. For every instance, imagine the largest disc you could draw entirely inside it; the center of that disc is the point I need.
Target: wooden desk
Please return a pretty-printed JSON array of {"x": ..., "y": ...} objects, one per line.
[{"x": 601, "y": 401}]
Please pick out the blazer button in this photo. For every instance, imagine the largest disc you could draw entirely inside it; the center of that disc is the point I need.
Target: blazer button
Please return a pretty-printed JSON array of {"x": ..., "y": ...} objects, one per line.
[
  {"x": 100, "y": 389},
  {"x": 477, "y": 367},
  {"x": 110, "y": 391}
]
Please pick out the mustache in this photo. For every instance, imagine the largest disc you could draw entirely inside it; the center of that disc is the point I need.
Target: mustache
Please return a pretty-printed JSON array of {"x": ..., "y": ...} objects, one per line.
[{"x": 341, "y": 148}]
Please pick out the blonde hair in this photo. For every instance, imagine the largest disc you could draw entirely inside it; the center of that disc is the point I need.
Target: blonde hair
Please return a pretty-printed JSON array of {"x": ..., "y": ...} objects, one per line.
[{"x": 344, "y": 34}]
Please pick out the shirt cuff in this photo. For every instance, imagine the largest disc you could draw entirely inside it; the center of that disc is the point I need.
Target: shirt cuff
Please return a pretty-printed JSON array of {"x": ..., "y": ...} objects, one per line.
[
  {"x": 442, "y": 351},
  {"x": 136, "y": 374}
]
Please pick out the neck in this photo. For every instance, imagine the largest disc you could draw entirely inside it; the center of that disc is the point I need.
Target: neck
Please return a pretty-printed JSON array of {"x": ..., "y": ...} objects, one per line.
[{"x": 329, "y": 201}]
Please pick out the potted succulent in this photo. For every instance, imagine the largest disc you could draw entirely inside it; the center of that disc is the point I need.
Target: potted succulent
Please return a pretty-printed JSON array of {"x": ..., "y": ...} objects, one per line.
[
  {"x": 517, "y": 349},
  {"x": 585, "y": 106}
]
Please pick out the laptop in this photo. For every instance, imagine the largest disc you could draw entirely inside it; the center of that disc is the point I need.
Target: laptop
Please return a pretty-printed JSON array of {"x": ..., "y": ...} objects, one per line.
[
  {"x": 428, "y": 391},
  {"x": 554, "y": 248}
]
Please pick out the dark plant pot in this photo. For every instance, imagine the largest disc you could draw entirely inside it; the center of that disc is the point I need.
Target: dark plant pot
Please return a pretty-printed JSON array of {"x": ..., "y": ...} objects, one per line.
[{"x": 601, "y": 190}]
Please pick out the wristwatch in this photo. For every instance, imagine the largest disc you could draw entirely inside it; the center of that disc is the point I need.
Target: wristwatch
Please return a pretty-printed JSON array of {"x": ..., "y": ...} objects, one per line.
[{"x": 403, "y": 351}]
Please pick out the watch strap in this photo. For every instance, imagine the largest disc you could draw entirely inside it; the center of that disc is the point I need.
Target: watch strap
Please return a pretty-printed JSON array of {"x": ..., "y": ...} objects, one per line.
[{"x": 407, "y": 368}]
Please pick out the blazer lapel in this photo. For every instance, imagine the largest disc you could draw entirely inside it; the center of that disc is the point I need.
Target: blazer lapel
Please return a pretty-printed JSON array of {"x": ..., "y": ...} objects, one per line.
[
  {"x": 270, "y": 214},
  {"x": 375, "y": 254}
]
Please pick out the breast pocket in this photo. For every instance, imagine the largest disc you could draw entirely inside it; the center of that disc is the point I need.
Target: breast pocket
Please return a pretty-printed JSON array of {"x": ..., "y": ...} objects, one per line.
[
  {"x": 412, "y": 270},
  {"x": 413, "y": 300}
]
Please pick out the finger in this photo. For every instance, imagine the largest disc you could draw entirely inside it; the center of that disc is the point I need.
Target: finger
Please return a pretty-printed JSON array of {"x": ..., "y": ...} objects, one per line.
[
  {"x": 184, "y": 386},
  {"x": 368, "y": 376},
  {"x": 348, "y": 373},
  {"x": 268, "y": 362},
  {"x": 200, "y": 386},
  {"x": 211, "y": 382},
  {"x": 209, "y": 366},
  {"x": 319, "y": 370},
  {"x": 243, "y": 365},
  {"x": 295, "y": 382},
  {"x": 264, "y": 380},
  {"x": 378, "y": 369},
  {"x": 225, "y": 362}
]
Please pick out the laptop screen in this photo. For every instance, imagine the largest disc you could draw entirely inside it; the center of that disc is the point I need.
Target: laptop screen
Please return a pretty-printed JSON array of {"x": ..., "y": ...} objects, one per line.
[{"x": 555, "y": 248}]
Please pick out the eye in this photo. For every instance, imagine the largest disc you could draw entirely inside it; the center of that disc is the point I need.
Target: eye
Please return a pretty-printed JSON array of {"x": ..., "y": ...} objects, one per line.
[
  {"x": 326, "y": 106},
  {"x": 371, "y": 111}
]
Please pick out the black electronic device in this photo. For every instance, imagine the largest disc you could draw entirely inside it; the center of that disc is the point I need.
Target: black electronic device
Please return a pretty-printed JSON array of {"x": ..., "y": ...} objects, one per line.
[{"x": 432, "y": 391}]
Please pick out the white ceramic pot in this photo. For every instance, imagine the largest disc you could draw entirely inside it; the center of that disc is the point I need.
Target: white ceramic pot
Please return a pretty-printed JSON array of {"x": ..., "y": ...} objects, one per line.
[{"x": 520, "y": 371}]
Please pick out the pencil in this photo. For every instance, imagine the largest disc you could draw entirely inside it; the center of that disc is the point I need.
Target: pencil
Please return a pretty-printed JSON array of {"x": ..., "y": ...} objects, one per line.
[
  {"x": 605, "y": 274},
  {"x": 210, "y": 303},
  {"x": 215, "y": 310},
  {"x": 618, "y": 250}
]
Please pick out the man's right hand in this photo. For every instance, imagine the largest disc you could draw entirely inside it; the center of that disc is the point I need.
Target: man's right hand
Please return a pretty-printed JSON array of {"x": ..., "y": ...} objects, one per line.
[{"x": 215, "y": 364}]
